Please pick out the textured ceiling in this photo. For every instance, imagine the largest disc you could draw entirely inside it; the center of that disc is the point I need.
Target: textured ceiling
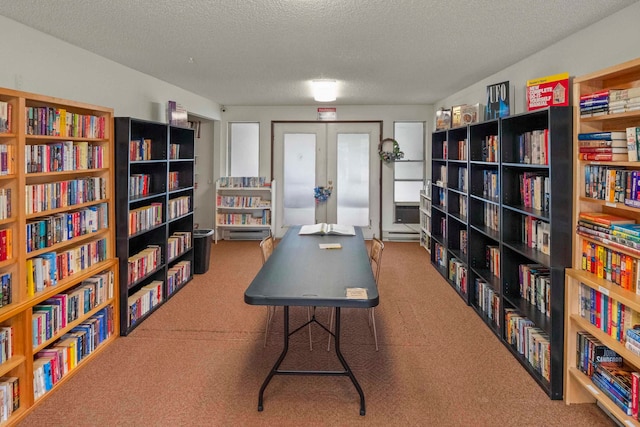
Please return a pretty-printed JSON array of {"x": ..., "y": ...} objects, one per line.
[{"x": 265, "y": 52}]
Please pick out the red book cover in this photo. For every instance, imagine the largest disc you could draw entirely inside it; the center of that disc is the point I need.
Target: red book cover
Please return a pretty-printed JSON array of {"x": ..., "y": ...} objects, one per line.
[{"x": 605, "y": 218}]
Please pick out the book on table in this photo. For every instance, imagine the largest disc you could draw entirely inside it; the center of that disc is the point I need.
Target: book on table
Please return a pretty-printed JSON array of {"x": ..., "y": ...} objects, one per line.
[{"x": 324, "y": 228}]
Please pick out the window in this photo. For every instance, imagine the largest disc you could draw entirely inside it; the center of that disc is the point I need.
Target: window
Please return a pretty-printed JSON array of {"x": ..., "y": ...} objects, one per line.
[
  {"x": 408, "y": 173},
  {"x": 244, "y": 149}
]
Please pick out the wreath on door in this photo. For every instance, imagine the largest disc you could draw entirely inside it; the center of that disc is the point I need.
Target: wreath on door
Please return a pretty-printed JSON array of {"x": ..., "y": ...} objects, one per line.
[{"x": 389, "y": 150}]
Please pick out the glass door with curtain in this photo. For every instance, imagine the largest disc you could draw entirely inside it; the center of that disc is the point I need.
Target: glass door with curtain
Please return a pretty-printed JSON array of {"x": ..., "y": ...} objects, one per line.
[{"x": 339, "y": 157}]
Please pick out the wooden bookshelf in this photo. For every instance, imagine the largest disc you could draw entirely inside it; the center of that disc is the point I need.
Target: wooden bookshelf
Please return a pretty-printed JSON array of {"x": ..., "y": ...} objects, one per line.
[
  {"x": 480, "y": 223},
  {"x": 154, "y": 190},
  {"x": 579, "y": 387},
  {"x": 244, "y": 208},
  {"x": 59, "y": 172}
]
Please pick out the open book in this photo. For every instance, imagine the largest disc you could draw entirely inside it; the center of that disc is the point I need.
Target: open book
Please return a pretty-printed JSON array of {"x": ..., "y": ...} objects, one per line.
[{"x": 323, "y": 228}]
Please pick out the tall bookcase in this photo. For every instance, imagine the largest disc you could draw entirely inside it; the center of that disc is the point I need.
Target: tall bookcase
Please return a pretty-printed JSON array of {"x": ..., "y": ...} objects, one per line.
[
  {"x": 59, "y": 287},
  {"x": 154, "y": 229},
  {"x": 244, "y": 207},
  {"x": 425, "y": 217},
  {"x": 491, "y": 235},
  {"x": 603, "y": 287}
]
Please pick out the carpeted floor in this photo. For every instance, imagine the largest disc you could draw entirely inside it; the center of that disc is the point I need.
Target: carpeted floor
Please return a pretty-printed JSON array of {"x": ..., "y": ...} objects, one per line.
[{"x": 199, "y": 361}]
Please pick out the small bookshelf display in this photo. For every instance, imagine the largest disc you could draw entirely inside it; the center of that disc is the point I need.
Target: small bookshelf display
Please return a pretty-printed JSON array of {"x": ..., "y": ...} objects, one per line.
[
  {"x": 499, "y": 191},
  {"x": 154, "y": 233},
  {"x": 603, "y": 285},
  {"x": 425, "y": 217},
  {"x": 58, "y": 271},
  {"x": 244, "y": 209}
]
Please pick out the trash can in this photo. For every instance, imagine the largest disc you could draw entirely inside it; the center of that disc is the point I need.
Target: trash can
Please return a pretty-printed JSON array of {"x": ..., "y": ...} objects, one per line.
[{"x": 202, "y": 247}]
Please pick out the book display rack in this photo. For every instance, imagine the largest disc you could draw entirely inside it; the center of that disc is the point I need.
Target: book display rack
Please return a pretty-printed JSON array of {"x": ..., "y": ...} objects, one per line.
[
  {"x": 499, "y": 193},
  {"x": 58, "y": 272},
  {"x": 154, "y": 233},
  {"x": 244, "y": 208},
  {"x": 425, "y": 217},
  {"x": 602, "y": 287}
]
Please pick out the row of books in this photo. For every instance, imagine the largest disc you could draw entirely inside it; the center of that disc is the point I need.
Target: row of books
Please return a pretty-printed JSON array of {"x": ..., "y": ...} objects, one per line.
[
  {"x": 174, "y": 151},
  {"x": 256, "y": 218},
  {"x": 9, "y": 397},
  {"x": 534, "y": 191},
  {"x": 144, "y": 300},
  {"x": 604, "y": 146},
  {"x": 609, "y": 264},
  {"x": 178, "y": 243},
  {"x": 5, "y": 203},
  {"x": 439, "y": 255},
  {"x": 611, "y": 184},
  {"x": 6, "y": 343},
  {"x": 139, "y": 185},
  {"x": 48, "y": 231},
  {"x": 143, "y": 263},
  {"x": 442, "y": 182},
  {"x": 490, "y": 148},
  {"x": 464, "y": 240},
  {"x": 536, "y": 234},
  {"x": 178, "y": 207},
  {"x": 5, "y": 117},
  {"x": 608, "y": 372},
  {"x": 492, "y": 259},
  {"x": 461, "y": 152},
  {"x": 490, "y": 185},
  {"x": 463, "y": 182},
  {"x": 243, "y": 182},
  {"x": 174, "y": 180},
  {"x": 177, "y": 275},
  {"x": 491, "y": 216},
  {"x": 612, "y": 101},
  {"x": 441, "y": 197},
  {"x": 488, "y": 301},
  {"x": 535, "y": 286},
  {"x": 140, "y": 149},
  {"x": 55, "y": 313},
  {"x": 606, "y": 313},
  {"x": 57, "y": 360},
  {"x": 533, "y": 147},
  {"x": 61, "y": 194},
  {"x": 6, "y": 244},
  {"x": 145, "y": 218},
  {"x": 530, "y": 341},
  {"x": 463, "y": 210},
  {"x": 633, "y": 143},
  {"x": 63, "y": 156},
  {"x": 242, "y": 202},
  {"x": 60, "y": 122},
  {"x": 49, "y": 268},
  {"x": 458, "y": 275},
  {"x": 6, "y": 295},
  {"x": 7, "y": 159}
]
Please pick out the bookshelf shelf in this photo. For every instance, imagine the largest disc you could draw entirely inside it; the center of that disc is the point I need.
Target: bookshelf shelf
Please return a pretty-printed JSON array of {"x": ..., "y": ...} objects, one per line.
[
  {"x": 234, "y": 219},
  {"x": 478, "y": 230},
  {"x": 143, "y": 156},
  {"x": 583, "y": 285},
  {"x": 55, "y": 272}
]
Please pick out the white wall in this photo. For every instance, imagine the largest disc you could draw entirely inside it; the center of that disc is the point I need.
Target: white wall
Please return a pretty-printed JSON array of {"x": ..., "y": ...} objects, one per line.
[
  {"x": 608, "y": 42},
  {"x": 388, "y": 114},
  {"x": 36, "y": 62}
]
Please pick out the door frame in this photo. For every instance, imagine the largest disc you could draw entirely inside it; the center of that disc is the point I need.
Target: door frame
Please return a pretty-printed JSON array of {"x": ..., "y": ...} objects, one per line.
[{"x": 379, "y": 122}]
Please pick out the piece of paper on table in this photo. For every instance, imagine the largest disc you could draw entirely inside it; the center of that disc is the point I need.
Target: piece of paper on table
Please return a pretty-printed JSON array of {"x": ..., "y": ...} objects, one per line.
[
  {"x": 357, "y": 293},
  {"x": 330, "y": 245}
]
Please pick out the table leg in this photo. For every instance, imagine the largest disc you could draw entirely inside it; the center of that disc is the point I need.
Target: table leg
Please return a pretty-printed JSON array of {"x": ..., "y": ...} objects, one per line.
[
  {"x": 345, "y": 365},
  {"x": 279, "y": 361}
]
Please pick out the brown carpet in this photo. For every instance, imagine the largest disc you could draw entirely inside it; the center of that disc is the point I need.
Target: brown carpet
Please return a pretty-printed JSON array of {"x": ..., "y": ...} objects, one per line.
[{"x": 199, "y": 361}]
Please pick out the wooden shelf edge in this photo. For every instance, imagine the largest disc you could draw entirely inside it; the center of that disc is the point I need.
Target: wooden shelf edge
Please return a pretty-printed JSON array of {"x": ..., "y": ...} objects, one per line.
[{"x": 619, "y": 294}]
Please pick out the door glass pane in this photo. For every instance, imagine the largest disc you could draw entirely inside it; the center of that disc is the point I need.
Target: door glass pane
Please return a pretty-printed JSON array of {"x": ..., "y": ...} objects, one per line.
[
  {"x": 299, "y": 179},
  {"x": 407, "y": 191},
  {"x": 353, "y": 179},
  {"x": 410, "y": 137},
  {"x": 408, "y": 170}
]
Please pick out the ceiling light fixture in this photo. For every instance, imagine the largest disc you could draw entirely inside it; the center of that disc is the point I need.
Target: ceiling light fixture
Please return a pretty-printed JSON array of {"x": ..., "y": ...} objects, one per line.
[{"x": 324, "y": 90}]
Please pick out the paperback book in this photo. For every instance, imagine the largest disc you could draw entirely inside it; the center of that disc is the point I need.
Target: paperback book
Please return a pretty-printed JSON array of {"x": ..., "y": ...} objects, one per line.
[{"x": 499, "y": 100}]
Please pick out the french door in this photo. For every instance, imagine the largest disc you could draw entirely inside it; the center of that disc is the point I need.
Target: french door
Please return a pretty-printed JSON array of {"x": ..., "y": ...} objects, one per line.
[{"x": 340, "y": 156}]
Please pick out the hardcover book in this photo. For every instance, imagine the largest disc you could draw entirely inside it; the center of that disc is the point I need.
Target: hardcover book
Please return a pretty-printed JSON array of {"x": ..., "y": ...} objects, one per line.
[
  {"x": 443, "y": 119},
  {"x": 324, "y": 228},
  {"x": 548, "y": 91},
  {"x": 498, "y": 101},
  {"x": 470, "y": 113}
]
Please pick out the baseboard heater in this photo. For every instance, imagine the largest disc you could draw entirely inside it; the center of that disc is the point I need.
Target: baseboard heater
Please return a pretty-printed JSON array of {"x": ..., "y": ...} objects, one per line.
[
  {"x": 245, "y": 234},
  {"x": 402, "y": 236}
]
